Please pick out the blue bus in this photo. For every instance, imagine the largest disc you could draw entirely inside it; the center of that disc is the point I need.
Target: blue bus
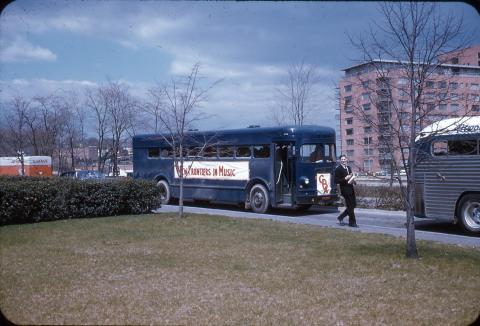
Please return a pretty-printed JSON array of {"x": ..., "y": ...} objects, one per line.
[{"x": 289, "y": 166}]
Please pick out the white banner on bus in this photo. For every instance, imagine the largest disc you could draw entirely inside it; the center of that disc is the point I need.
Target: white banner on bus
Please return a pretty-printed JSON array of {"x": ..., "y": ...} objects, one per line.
[
  {"x": 323, "y": 183},
  {"x": 214, "y": 170}
]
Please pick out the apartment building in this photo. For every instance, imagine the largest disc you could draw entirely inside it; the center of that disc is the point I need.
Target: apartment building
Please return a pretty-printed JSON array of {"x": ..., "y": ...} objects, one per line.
[{"x": 374, "y": 99}]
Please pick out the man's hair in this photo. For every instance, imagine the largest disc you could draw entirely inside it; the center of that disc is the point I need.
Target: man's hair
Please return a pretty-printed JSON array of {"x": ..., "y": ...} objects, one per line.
[{"x": 343, "y": 155}]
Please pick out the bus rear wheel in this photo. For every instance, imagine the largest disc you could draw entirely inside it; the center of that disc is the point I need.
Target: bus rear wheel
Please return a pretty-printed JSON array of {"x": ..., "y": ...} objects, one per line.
[
  {"x": 259, "y": 200},
  {"x": 165, "y": 194},
  {"x": 469, "y": 213}
]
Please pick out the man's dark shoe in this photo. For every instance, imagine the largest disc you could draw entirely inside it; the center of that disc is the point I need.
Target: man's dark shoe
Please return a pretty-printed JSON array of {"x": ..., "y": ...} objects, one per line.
[
  {"x": 353, "y": 225},
  {"x": 340, "y": 221}
]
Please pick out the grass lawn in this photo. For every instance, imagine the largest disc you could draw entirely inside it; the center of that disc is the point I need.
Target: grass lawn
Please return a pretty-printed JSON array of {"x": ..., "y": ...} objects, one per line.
[{"x": 156, "y": 269}]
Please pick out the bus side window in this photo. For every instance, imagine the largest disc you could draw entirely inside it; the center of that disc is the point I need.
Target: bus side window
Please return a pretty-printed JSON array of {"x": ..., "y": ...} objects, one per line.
[
  {"x": 210, "y": 152},
  {"x": 153, "y": 152},
  {"x": 440, "y": 148},
  {"x": 225, "y": 151},
  {"x": 194, "y": 152},
  {"x": 243, "y": 151},
  {"x": 462, "y": 147},
  {"x": 166, "y": 152},
  {"x": 261, "y": 151}
]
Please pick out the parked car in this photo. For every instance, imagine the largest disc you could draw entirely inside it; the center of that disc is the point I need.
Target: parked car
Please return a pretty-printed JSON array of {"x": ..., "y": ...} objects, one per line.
[{"x": 83, "y": 175}]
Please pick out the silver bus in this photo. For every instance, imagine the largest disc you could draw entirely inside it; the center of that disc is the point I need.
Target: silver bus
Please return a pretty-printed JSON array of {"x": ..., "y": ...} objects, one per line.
[{"x": 447, "y": 174}]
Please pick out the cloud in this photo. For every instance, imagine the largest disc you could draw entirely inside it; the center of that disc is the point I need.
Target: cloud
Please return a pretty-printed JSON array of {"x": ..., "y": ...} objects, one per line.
[
  {"x": 23, "y": 51},
  {"x": 40, "y": 87}
]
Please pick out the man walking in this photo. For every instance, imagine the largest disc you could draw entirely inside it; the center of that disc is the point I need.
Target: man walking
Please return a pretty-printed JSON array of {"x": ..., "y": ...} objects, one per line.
[{"x": 344, "y": 177}]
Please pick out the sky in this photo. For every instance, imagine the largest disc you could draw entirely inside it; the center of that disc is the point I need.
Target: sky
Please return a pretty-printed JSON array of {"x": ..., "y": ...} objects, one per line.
[{"x": 46, "y": 46}]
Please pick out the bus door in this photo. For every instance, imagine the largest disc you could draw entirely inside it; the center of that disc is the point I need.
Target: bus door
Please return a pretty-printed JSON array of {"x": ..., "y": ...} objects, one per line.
[{"x": 284, "y": 173}]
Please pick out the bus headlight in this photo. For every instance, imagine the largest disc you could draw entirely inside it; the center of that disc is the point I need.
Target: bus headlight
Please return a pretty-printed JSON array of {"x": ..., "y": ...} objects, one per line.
[{"x": 304, "y": 181}]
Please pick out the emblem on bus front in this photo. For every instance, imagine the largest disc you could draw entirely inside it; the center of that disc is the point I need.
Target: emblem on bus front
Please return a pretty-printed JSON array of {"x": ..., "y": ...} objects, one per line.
[{"x": 323, "y": 183}]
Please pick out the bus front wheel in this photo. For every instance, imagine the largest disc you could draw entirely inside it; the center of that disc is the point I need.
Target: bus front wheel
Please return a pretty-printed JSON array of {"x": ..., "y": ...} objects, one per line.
[
  {"x": 164, "y": 191},
  {"x": 469, "y": 213},
  {"x": 259, "y": 200}
]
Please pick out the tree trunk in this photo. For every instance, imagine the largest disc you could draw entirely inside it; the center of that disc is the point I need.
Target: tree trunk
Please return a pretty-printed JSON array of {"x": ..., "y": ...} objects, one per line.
[{"x": 180, "y": 199}]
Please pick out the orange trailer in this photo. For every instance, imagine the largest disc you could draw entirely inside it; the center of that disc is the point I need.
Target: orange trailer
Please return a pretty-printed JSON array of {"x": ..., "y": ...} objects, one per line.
[{"x": 33, "y": 166}]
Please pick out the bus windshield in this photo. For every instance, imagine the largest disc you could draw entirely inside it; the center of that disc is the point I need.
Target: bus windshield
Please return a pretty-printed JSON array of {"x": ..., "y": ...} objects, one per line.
[{"x": 317, "y": 153}]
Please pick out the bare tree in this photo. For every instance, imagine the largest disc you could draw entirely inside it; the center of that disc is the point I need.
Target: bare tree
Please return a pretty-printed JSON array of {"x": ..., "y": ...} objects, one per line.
[
  {"x": 294, "y": 101},
  {"x": 154, "y": 107},
  {"x": 405, "y": 54},
  {"x": 121, "y": 117},
  {"x": 180, "y": 103},
  {"x": 73, "y": 128},
  {"x": 15, "y": 128},
  {"x": 98, "y": 104}
]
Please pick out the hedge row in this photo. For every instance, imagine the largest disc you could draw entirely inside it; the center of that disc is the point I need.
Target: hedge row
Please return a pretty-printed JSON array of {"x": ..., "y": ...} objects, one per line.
[
  {"x": 29, "y": 199},
  {"x": 381, "y": 197}
]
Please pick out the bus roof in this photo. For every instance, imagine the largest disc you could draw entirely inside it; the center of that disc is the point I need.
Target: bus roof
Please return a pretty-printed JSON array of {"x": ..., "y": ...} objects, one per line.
[
  {"x": 453, "y": 126},
  {"x": 253, "y": 135}
]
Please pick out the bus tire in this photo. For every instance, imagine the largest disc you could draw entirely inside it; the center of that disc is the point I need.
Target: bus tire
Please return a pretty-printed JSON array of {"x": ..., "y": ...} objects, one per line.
[
  {"x": 469, "y": 213},
  {"x": 259, "y": 200},
  {"x": 165, "y": 194}
]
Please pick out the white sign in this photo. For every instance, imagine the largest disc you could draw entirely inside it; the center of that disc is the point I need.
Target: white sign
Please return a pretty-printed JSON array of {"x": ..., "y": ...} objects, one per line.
[
  {"x": 323, "y": 183},
  {"x": 214, "y": 170}
]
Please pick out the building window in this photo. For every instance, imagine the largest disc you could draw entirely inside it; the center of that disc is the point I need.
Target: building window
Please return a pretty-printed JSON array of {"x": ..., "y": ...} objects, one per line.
[
  {"x": 367, "y": 130},
  {"x": 366, "y": 107},
  {"x": 365, "y": 83},
  {"x": 404, "y": 115},
  {"x": 474, "y": 87},
  {"x": 442, "y": 96},
  {"x": 348, "y": 109},
  {"x": 402, "y": 103},
  {"x": 402, "y": 81},
  {"x": 442, "y": 107},
  {"x": 475, "y": 97},
  {"x": 349, "y": 131},
  {"x": 453, "y": 107},
  {"x": 454, "y": 97},
  {"x": 368, "y": 151},
  {"x": 430, "y": 84},
  {"x": 348, "y": 100},
  {"x": 348, "y": 121},
  {"x": 367, "y": 140},
  {"x": 350, "y": 142},
  {"x": 365, "y": 96},
  {"x": 453, "y": 85},
  {"x": 347, "y": 88},
  {"x": 402, "y": 92},
  {"x": 367, "y": 164},
  {"x": 455, "y": 60},
  {"x": 476, "y": 108},
  {"x": 442, "y": 84}
]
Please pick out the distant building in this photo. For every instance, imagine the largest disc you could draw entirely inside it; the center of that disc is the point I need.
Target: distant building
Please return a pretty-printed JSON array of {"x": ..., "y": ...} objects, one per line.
[
  {"x": 468, "y": 57},
  {"x": 365, "y": 95}
]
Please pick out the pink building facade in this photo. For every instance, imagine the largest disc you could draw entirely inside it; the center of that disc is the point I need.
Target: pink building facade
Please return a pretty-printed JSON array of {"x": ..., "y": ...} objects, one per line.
[
  {"x": 373, "y": 100},
  {"x": 467, "y": 57}
]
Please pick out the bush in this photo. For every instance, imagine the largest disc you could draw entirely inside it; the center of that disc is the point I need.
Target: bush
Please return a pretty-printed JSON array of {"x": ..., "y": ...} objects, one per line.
[
  {"x": 383, "y": 197},
  {"x": 30, "y": 199}
]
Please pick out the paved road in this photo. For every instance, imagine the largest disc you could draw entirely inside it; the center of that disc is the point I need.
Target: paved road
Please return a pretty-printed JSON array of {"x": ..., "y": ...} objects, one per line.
[{"x": 369, "y": 220}]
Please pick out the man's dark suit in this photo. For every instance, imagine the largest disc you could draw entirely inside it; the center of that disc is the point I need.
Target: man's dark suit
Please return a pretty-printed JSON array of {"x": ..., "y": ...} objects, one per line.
[{"x": 347, "y": 192}]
